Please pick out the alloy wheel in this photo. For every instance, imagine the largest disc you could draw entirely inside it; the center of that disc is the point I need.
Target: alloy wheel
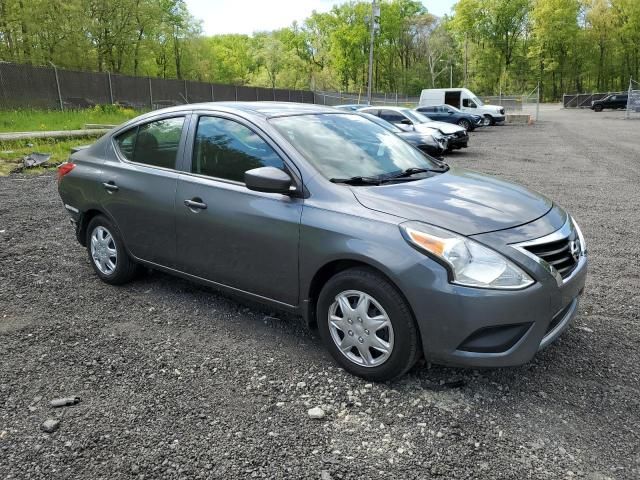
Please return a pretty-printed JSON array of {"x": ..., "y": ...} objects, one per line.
[{"x": 360, "y": 328}]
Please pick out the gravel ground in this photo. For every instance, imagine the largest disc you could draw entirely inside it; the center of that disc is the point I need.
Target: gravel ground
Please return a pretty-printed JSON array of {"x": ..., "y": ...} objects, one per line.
[{"x": 177, "y": 381}]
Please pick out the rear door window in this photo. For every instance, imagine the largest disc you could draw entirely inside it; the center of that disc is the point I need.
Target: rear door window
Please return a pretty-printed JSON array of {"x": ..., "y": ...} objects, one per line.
[
  {"x": 154, "y": 143},
  {"x": 226, "y": 149}
]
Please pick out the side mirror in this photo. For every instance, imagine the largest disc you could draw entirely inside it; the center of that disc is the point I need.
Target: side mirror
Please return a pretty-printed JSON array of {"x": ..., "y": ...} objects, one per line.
[
  {"x": 406, "y": 121},
  {"x": 268, "y": 180}
]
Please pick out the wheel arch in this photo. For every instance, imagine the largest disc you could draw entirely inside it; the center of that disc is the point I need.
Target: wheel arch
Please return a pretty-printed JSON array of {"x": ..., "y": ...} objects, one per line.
[
  {"x": 329, "y": 270},
  {"x": 85, "y": 219}
]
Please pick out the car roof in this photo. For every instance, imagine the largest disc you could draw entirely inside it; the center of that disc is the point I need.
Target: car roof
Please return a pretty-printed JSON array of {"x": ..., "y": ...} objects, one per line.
[
  {"x": 262, "y": 109},
  {"x": 387, "y": 107}
]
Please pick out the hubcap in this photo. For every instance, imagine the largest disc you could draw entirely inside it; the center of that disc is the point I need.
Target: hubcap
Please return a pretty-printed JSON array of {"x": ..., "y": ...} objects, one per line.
[
  {"x": 103, "y": 250},
  {"x": 360, "y": 328}
]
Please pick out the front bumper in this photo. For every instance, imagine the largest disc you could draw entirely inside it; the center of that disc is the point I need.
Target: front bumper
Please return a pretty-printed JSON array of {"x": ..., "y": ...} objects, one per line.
[
  {"x": 471, "y": 327},
  {"x": 499, "y": 118},
  {"x": 456, "y": 142}
]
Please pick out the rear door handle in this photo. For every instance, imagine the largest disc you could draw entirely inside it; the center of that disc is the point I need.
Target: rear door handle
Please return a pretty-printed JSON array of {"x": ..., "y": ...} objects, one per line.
[
  {"x": 110, "y": 186},
  {"x": 196, "y": 204}
]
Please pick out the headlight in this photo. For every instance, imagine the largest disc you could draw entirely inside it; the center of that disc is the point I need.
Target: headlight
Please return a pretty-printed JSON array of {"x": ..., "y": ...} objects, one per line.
[{"x": 472, "y": 264}]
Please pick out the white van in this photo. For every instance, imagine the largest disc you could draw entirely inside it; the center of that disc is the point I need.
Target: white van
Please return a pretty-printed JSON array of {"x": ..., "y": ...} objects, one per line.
[{"x": 464, "y": 99}]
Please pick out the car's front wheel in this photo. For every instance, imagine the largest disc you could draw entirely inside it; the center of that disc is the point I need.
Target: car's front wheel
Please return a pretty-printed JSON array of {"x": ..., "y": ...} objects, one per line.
[
  {"x": 107, "y": 254},
  {"x": 598, "y": 108},
  {"x": 489, "y": 120},
  {"x": 464, "y": 123},
  {"x": 367, "y": 325}
]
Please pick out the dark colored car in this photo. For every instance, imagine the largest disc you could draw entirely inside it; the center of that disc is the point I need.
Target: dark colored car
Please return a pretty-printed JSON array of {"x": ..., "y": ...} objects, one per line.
[
  {"x": 614, "y": 101},
  {"x": 449, "y": 114},
  {"x": 325, "y": 214},
  {"x": 457, "y": 137},
  {"x": 434, "y": 144}
]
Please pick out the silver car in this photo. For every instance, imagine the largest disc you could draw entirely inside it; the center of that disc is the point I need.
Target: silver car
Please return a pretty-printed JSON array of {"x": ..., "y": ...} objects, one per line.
[{"x": 325, "y": 214}]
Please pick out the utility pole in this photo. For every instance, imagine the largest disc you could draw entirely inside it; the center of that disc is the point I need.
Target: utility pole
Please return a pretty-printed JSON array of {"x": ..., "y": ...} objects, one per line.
[
  {"x": 374, "y": 24},
  {"x": 451, "y": 75},
  {"x": 466, "y": 59}
]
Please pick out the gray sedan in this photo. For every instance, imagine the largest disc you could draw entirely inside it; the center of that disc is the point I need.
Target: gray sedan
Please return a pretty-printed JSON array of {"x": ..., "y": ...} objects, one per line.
[{"x": 330, "y": 216}]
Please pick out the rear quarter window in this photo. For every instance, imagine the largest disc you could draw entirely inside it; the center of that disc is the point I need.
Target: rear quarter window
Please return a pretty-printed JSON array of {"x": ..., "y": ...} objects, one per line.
[{"x": 154, "y": 143}]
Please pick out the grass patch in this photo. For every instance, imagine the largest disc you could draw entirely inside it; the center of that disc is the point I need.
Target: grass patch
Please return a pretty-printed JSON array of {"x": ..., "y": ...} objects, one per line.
[
  {"x": 42, "y": 120},
  {"x": 11, "y": 153}
]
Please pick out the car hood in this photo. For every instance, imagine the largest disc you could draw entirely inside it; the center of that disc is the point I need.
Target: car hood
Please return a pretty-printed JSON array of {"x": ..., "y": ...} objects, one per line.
[
  {"x": 495, "y": 108},
  {"x": 459, "y": 200},
  {"x": 444, "y": 127}
]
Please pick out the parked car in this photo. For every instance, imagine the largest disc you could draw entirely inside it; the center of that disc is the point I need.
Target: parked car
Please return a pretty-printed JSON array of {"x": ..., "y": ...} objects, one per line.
[
  {"x": 465, "y": 100},
  {"x": 457, "y": 137},
  {"x": 328, "y": 215},
  {"x": 614, "y": 101},
  {"x": 449, "y": 114},
  {"x": 352, "y": 107},
  {"x": 433, "y": 144}
]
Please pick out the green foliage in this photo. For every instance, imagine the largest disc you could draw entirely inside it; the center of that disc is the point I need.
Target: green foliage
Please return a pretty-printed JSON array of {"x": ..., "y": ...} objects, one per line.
[
  {"x": 491, "y": 45},
  {"x": 43, "y": 120}
]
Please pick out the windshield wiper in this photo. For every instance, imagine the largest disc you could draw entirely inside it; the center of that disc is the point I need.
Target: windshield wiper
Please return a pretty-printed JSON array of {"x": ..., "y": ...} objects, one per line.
[
  {"x": 415, "y": 170},
  {"x": 357, "y": 180}
]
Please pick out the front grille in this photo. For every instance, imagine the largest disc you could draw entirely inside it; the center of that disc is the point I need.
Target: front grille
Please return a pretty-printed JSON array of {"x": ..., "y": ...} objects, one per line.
[{"x": 558, "y": 254}]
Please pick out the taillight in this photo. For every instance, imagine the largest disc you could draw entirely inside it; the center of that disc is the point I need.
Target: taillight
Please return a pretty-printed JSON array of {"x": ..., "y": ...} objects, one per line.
[{"x": 64, "y": 169}]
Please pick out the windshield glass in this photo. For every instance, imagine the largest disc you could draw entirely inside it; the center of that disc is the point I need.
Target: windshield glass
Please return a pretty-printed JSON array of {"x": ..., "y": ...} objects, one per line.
[
  {"x": 349, "y": 145},
  {"x": 416, "y": 117},
  {"x": 477, "y": 101},
  {"x": 451, "y": 107}
]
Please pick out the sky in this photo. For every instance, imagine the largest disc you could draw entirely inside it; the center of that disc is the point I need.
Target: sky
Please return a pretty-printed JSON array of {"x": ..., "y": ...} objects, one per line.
[{"x": 248, "y": 16}]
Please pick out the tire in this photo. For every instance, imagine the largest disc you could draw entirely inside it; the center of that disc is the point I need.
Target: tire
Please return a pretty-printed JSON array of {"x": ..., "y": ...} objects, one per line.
[
  {"x": 107, "y": 253},
  {"x": 490, "y": 119},
  {"x": 598, "y": 108},
  {"x": 384, "y": 301},
  {"x": 464, "y": 123}
]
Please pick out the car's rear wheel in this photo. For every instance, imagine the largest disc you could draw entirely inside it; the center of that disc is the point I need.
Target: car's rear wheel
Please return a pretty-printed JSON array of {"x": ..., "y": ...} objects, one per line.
[
  {"x": 107, "y": 254},
  {"x": 464, "y": 123},
  {"x": 598, "y": 108},
  {"x": 367, "y": 325}
]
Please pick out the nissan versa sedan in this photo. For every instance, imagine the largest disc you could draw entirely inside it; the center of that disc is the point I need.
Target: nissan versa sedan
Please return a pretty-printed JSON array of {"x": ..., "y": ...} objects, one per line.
[{"x": 328, "y": 215}]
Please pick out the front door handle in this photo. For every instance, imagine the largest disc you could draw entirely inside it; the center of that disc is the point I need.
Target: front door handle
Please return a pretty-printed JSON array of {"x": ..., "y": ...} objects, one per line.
[
  {"x": 110, "y": 186},
  {"x": 195, "y": 204}
]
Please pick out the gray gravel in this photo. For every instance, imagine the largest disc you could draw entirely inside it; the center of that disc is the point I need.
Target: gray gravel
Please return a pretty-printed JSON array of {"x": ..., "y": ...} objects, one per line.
[{"x": 177, "y": 381}]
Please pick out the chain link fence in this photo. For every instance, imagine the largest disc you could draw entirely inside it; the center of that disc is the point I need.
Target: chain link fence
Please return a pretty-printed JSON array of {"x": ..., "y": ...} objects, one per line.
[
  {"x": 527, "y": 103},
  {"x": 344, "y": 98},
  {"x": 583, "y": 100},
  {"x": 26, "y": 86}
]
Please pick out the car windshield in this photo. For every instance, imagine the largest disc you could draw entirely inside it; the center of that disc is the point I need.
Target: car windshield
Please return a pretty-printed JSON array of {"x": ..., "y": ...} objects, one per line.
[
  {"x": 452, "y": 108},
  {"x": 415, "y": 117},
  {"x": 477, "y": 101},
  {"x": 344, "y": 146}
]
